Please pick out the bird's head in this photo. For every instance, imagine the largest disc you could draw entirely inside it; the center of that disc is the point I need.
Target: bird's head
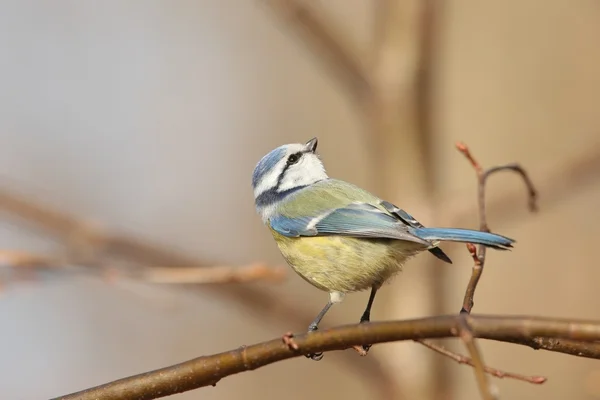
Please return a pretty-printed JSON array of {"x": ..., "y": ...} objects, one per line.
[{"x": 286, "y": 168}]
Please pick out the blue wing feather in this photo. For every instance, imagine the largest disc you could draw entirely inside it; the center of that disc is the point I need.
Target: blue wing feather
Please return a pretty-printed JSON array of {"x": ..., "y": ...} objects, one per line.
[
  {"x": 355, "y": 220},
  {"x": 292, "y": 227}
]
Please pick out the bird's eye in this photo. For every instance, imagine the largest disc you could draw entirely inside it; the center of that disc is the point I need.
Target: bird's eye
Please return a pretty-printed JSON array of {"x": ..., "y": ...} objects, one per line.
[{"x": 293, "y": 159}]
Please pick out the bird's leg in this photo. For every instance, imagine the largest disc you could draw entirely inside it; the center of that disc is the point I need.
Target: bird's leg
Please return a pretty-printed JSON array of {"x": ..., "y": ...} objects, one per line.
[
  {"x": 334, "y": 297},
  {"x": 315, "y": 325},
  {"x": 366, "y": 317}
]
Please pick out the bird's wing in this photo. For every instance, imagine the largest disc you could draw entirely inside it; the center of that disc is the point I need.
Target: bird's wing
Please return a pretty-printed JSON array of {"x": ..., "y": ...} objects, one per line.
[
  {"x": 400, "y": 213},
  {"x": 409, "y": 220},
  {"x": 356, "y": 219}
]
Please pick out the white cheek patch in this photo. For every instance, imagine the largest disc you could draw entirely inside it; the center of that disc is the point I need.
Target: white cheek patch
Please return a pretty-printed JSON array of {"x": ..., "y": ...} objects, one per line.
[{"x": 309, "y": 170}]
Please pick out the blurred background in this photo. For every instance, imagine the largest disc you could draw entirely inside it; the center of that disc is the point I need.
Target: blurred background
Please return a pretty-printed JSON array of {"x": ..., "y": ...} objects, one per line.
[{"x": 130, "y": 130}]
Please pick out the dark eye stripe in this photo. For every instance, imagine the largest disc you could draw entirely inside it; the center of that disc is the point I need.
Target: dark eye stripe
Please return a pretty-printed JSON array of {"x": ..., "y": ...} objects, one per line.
[{"x": 287, "y": 165}]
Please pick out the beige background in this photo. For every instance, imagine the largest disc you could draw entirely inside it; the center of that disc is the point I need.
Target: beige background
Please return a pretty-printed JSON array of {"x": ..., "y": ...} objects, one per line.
[{"x": 148, "y": 117}]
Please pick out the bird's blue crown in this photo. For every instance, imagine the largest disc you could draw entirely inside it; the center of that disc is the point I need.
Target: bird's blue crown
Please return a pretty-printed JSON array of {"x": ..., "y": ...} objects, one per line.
[{"x": 266, "y": 164}]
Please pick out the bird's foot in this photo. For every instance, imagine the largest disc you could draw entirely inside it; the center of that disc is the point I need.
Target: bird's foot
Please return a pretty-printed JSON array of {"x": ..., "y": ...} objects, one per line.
[
  {"x": 314, "y": 356},
  {"x": 363, "y": 350}
]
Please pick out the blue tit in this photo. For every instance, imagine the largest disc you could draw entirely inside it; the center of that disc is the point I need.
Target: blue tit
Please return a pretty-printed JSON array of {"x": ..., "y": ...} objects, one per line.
[{"x": 337, "y": 236}]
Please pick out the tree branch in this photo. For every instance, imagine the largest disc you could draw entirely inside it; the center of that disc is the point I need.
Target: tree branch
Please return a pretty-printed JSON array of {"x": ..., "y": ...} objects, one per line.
[
  {"x": 209, "y": 370},
  {"x": 22, "y": 262},
  {"x": 482, "y": 177},
  {"x": 459, "y": 358},
  {"x": 479, "y": 260},
  {"x": 580, "y": 167},
  {"x": 216, "y": 274},
  {"x": 466, "y": 334},
  {"x": 557, "y": 183}
]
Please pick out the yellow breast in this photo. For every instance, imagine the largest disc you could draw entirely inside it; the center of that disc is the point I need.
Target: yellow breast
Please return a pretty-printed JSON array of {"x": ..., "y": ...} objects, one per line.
[{"x": 345, "y": 264}]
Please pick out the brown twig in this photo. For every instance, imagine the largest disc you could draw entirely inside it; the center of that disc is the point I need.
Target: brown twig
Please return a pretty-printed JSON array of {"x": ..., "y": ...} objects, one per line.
[
  {"x": 562, "y": 181},
  {"x": 23, "y": 266},
  {"x": 216, "y": 274},
  {"x": 208, "y": 370},
  {"x": 479, "y": 260},
  {"x": 557, "y": 183},
  {"x": 565, "y": 346},
  {"x": 473, "y": 281},
  {"x": 482, "y": 177},
  {"x": 18, "y": 260},
  {"x": 321, "y": 33},
  {"x": 21, "y": 259},
  {"x": 459, "y": 358},
  {"x": 466, "y": 335}
]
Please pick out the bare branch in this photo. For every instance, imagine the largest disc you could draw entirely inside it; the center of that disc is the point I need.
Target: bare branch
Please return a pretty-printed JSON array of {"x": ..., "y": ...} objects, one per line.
[
  {"x": 209, "y": 370},
  {"x": 565, "y": 346},
  {"x": 577, "y": 170},
  {"x": 557, "y": 183},
  {"x": 23, "y": 266},
  {"x": 216, "y": 274},
  {"x": 321, "y": 33},
  {"x": 21, "y": 259},
  {"x": 482, "y": 176},
  {"x": 18, "y": 260},
  {"x": 465, "y": 333},
  {"x": 459, "y": 358}
]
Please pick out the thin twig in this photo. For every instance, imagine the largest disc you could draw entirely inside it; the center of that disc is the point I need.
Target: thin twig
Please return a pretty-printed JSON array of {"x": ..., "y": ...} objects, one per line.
[
  {"x": 459, "y": 358},
  {"x": 558, "y": 183},
  {"x": 216, "y": 274},
  {"x": 208, "y": 370},
  {"x": 565, "y": 346},
  {"x": 23, "y": 266},
  {"x": 473, "y": 281},
  {"x": 466, "y": 335},
  {"x": 487, "y": 392},
  {"x": 22, "y": 259},
  {"x": 222, "y": 274},
  {"x": 482, "y": 177}
]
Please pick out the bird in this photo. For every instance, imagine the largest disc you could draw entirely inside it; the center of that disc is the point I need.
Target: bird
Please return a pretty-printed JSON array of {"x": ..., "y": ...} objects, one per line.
[{"x": 338, "y": 237}]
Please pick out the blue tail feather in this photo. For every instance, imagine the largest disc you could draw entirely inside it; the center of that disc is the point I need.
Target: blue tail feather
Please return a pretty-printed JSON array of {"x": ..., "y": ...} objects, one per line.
[{"x": 464, "y": 235}]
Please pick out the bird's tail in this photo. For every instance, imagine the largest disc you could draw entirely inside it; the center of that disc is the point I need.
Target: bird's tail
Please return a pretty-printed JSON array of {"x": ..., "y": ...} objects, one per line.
[{"x": 466, "y": 236}]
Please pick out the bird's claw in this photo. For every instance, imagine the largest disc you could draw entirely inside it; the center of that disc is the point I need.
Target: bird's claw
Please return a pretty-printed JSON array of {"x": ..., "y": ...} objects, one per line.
[
  {"x": 315, "y": 356},
  {"x": 363, "y": 349}
]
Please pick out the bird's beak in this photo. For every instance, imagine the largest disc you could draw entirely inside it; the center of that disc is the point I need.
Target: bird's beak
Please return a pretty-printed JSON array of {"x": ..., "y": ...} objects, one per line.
[{"x": 311, "y": 145}]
